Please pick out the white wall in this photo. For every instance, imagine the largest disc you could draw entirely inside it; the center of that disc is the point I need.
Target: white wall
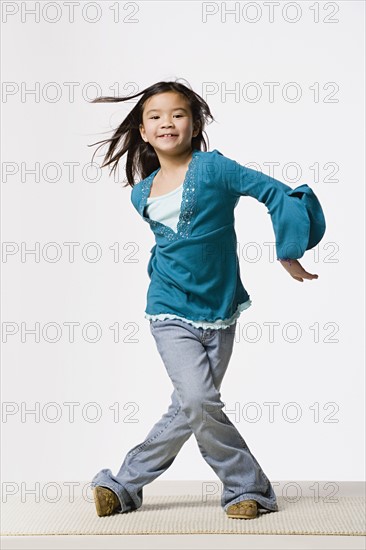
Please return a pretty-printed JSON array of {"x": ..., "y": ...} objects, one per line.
[{"x": 166, "y": 41}]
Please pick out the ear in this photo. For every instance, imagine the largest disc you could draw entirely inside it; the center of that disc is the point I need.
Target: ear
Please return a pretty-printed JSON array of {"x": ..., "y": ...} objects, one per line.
[
  {"x": 196, "y": 128},
  {"x": 142, "y": 132}
]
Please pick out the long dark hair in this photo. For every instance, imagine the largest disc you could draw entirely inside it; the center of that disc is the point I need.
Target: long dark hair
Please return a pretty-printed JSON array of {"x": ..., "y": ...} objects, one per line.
[{"x": 141, "y": 156}]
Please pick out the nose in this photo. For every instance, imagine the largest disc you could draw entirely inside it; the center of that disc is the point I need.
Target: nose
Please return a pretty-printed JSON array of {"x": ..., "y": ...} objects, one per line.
[{"x": 167, "y": 122}]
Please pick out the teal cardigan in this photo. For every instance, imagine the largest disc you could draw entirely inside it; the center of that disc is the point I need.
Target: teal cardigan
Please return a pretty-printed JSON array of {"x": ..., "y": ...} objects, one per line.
[{"x": 194, "y": 272}]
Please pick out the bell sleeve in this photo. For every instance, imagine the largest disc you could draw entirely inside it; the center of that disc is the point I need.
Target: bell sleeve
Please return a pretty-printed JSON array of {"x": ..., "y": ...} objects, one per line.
[{"x": 297, "y": 217}]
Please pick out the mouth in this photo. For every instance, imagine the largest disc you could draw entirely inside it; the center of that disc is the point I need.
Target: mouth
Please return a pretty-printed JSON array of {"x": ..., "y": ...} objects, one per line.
[{"x": 166, "y": 136}]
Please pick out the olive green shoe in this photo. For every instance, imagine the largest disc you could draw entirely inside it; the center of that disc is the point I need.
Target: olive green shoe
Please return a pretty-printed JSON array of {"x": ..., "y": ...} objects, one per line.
[
  {"x": 246, "y": 509},
  {"x": 106, "y": 501}
]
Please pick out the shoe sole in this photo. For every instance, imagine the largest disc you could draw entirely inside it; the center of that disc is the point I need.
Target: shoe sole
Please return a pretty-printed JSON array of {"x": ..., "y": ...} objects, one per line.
[{"x": 241, "y": 516}]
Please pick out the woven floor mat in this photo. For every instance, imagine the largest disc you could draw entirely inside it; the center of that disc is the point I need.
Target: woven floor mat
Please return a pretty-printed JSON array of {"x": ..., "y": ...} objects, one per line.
[{"x": 183, "y": 514}]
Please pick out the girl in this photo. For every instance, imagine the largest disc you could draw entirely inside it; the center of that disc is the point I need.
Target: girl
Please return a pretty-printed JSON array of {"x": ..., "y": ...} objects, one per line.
[{"x": 187, "y": 195}]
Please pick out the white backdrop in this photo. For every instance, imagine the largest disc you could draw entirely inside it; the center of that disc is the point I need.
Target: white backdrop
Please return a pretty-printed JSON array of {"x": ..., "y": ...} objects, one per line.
[{"x": 73, "y": 404}]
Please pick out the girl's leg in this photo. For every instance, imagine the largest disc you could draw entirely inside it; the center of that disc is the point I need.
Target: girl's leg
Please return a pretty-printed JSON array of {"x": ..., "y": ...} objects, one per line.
[
  {"x": 186, "y": 353},
  {"x": 196, "y": 361},
  {"x": 150, "y": 458}
]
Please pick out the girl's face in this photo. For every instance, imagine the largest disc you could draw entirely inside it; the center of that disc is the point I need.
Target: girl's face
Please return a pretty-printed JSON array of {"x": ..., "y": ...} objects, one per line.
[{"x": 167, "y": 123}]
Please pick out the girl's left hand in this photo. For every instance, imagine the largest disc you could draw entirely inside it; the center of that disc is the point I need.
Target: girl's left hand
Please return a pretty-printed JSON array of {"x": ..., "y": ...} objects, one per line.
[{"x": 296, "y": 270}]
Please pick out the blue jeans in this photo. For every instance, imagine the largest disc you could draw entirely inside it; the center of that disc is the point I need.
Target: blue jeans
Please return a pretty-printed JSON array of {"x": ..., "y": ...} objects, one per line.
[{"x": 196, "y": 360}]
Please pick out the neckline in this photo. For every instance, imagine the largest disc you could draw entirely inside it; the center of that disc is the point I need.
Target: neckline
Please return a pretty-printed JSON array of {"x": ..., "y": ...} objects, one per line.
[
  {"x": 165, "y": 194},
  {"x": 185, "y": 205},
  {"x": 153, "y": 174}
]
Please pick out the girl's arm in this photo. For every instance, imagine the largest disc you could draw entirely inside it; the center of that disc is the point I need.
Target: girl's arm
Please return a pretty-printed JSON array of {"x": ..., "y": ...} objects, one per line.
[{"x": 297, "y": 216}]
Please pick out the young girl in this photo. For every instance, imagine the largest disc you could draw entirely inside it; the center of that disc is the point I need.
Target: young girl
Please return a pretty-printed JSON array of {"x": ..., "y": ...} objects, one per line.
[{"x": 187, "y": 195}]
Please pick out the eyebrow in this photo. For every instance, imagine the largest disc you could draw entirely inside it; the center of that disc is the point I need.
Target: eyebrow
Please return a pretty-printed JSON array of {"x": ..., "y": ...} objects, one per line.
[{"x": 176, "y": 109}]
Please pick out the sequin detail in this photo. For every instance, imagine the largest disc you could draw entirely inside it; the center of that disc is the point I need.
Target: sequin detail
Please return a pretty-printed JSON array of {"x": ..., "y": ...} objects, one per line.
[{"x": 187, "y": 207}]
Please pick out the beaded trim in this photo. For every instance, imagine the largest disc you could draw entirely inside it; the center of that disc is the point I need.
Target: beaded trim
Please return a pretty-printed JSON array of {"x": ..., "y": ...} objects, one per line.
[
  {"x": 219, "y": 324},
  {"x": 188, "y": 203}
]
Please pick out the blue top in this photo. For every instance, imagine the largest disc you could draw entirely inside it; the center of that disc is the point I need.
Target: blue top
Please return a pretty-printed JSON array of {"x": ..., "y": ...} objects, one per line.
[
  {"x": 166, "y": 209},
  {"x": 194, "y": 272}
]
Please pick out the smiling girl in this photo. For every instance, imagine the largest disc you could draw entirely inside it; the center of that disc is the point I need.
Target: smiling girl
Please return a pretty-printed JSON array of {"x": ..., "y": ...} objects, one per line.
[{"x": 187, "y": 195}]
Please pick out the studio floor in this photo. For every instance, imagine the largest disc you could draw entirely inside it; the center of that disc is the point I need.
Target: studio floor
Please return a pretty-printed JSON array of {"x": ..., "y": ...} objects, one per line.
[{"x": 174, "y": 508}]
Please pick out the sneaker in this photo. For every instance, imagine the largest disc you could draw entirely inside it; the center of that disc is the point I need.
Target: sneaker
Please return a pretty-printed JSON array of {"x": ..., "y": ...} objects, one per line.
[
  {"x": 246, "y": 509},
  {"x": 106, "y": 501}
]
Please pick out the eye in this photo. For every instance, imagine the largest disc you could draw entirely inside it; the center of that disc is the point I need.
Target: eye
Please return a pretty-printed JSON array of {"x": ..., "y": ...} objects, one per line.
[{"x": 156, "y": 116}]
